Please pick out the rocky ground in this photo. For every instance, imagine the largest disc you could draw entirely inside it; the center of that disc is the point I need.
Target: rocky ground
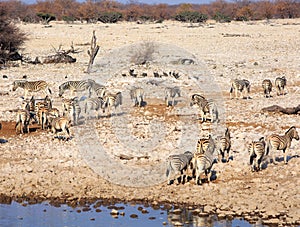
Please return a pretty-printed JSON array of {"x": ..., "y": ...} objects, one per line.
[{"x": 137, "y": 141}]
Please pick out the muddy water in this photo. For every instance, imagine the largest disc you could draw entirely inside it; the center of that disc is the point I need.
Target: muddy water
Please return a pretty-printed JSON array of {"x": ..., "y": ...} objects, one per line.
[{"x": 44, "y": 214}]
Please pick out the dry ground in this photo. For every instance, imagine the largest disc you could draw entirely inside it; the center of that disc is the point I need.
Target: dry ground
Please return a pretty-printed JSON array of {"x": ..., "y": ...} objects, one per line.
[{"x": 35, "y": 165}]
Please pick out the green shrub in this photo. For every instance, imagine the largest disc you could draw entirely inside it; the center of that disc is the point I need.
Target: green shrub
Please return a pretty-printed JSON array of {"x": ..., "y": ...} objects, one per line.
[
  {"x": 220, "y": 17},
  {"x": 191, "y": 16},
  {"x": 110, "y": 17}
]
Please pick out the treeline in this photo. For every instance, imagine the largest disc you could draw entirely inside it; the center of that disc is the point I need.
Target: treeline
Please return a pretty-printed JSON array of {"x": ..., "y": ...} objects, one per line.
[{"x": 110, "y": 11}]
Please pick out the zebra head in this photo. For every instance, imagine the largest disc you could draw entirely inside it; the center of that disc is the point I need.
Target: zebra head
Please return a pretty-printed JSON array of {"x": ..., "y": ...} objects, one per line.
[
  {"x": 293, "y": 132},
  {"x": 62, "y": 89},
  {"x": 18, "y": 83}
]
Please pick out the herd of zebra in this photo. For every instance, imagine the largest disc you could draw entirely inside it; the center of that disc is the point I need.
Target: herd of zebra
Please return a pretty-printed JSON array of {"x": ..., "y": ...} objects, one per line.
[
  {"x": 100, "y": 98},
  {"x": 194, "y": 165}
]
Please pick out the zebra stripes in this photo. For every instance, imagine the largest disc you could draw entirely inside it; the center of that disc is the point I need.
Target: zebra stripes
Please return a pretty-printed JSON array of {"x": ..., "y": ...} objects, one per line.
[
  {"x": 280, "y": 83},
  {"x": 267, "y": 87},
  {"x": 224, "y": 145},
  {"x": 170, "y": 93},
  {"x": 93, "y": 104},
  {"x": 60, "y": 124},
  {"x": 31, "y": 86},
  {"x": 98, "y": 90},
  {"x": 240, "y": 86},
  {"x": 112, "y": 100},
  {"x": 202, "y": 145},
  {"x": 278, "y": 142},
  {"x": 71, "y": 109},
  {"x": 205, "y": 106},
  {"x": 256, "y": 150},
  {"x": 137, "y": 96},
  {"x": 203, "y": 162},
  {"x": 76, "y": 86},
  {"x": 178, "y": 164},
  {"x": 22, "y": 121}
]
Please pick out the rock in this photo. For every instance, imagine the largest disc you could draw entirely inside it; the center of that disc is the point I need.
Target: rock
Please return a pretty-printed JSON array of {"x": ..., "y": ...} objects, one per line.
[{"x": 114, "y": 212}]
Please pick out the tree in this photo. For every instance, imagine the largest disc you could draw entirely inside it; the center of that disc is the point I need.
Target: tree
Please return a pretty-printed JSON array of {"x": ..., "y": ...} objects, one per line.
[{"x": 11, "y": 38}]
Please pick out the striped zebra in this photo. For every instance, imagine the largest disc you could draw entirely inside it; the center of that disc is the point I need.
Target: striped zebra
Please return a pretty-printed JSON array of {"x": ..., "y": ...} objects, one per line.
[
  {"x": 98, "y": 90},
  {"x": 280, "y": 83},
  {"x": 44, "y": 114},
  {"x": 93, "y": 104},
  {"x": 22, "y": 121},
  {"x": 31, "y": 86},
  {"x": 203, "y": 162},
  {"x": 137, "y": 96},
  {"x": 112, "y": 100},
  {"x": 178, "y": 163},
  {"x": 76, "y": 86},
  {"x": 278, "y": 142},
  {"x": 60, "y": 124},
  {"x": 224, "y": 145},
  {"x": 202, "y": 145},
  {"x": 206, "y": 107},
  {"x": 170, "y": 93},
  {"x": 240, "y": 86},
  {"x": 267, "y": 87},
  {"x": 71, "y": 109},
  {"x": 256, "y": 151}
]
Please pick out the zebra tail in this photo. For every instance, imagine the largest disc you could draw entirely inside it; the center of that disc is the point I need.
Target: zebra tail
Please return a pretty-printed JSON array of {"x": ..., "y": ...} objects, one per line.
[
  {"x": 231, "y": 89},
  {"x": 50, "y": 91},
  {"x": 168, "y": 169}
]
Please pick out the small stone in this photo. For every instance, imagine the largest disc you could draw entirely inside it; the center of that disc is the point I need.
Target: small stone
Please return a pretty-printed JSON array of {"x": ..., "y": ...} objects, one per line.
[
  {"x": 134, "y": 216},
  {"x": 114, "y": 212}
]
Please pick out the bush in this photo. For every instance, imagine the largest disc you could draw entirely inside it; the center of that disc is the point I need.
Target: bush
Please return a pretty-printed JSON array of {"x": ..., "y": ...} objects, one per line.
[
  {"x": 46, "y": 17},
  {"x": 221, "y": 18},
  {"x": 110, "y": 17},
  {"x": 191, "y": 16},
  {"x": 11, "y": 38}
]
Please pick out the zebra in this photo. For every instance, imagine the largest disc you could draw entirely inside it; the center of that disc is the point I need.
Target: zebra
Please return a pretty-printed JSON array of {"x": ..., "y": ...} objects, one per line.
[
  {"x": 98, "y": 90},
  {"x": 205, "y": 106},
  {"x": 256, "y": 151},
  {"x": 42, "y": 106},
  {"x": 75, "y": 86},
  {"x": 203, "y": 162},
  {"x": 178, "y": 163},
  {"x": 22, "y": 121},
  {"x": 71, "y": 109},
  {"x": 60, "y": 124},
  {"x": 31, "y": 86},
  {"x": 43, "y": 115},
  {"x": 91, "y": 104},
  {"x": 112, "y": 100},
  {"x": 267, "y": 87},
  {"x": 202, "y": 145},
  {"x": 171, "y": 92},
  {"x": 277, "y": 142},
  {"x": 280, "y": 83},
  {"x": 137, "y": 96},
  {"x": 224, "y": 145},
  {"x": 240, "y": 86}
]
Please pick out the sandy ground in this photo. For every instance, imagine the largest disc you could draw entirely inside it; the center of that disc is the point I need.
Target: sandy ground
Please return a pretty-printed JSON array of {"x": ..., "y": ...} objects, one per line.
[{"x": 37, "y": 166}]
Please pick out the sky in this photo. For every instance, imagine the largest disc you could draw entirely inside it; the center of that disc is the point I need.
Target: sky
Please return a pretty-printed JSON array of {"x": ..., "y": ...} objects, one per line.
[{"x": 170, "y": 2}]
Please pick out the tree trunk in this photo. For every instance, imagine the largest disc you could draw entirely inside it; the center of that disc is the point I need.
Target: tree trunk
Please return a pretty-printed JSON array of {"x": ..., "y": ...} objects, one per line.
[
  {"x": 92, "y": 53},
  {"x": 279, "y": 109}
]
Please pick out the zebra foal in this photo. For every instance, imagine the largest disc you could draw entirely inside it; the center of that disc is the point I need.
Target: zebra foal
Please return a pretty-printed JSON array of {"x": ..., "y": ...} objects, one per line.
[{"x": 205, "y": 107}]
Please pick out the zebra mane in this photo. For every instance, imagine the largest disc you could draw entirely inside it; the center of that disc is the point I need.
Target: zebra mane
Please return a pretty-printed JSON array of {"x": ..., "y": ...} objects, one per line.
[{"x": 293, "y": 127}]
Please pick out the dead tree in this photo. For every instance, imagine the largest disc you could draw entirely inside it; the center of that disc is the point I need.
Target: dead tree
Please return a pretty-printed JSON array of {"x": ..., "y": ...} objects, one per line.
[
  {"x": 279, "y": 109},
  {"x": 92, "y": 53},
  {"x": 62, "y": 56}
]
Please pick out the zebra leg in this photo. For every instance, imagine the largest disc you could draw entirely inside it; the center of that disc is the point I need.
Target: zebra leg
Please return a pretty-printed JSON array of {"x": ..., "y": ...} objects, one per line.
[
  {"x": 273, "y": 157},
  {"x": 285, "y": 156}
]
